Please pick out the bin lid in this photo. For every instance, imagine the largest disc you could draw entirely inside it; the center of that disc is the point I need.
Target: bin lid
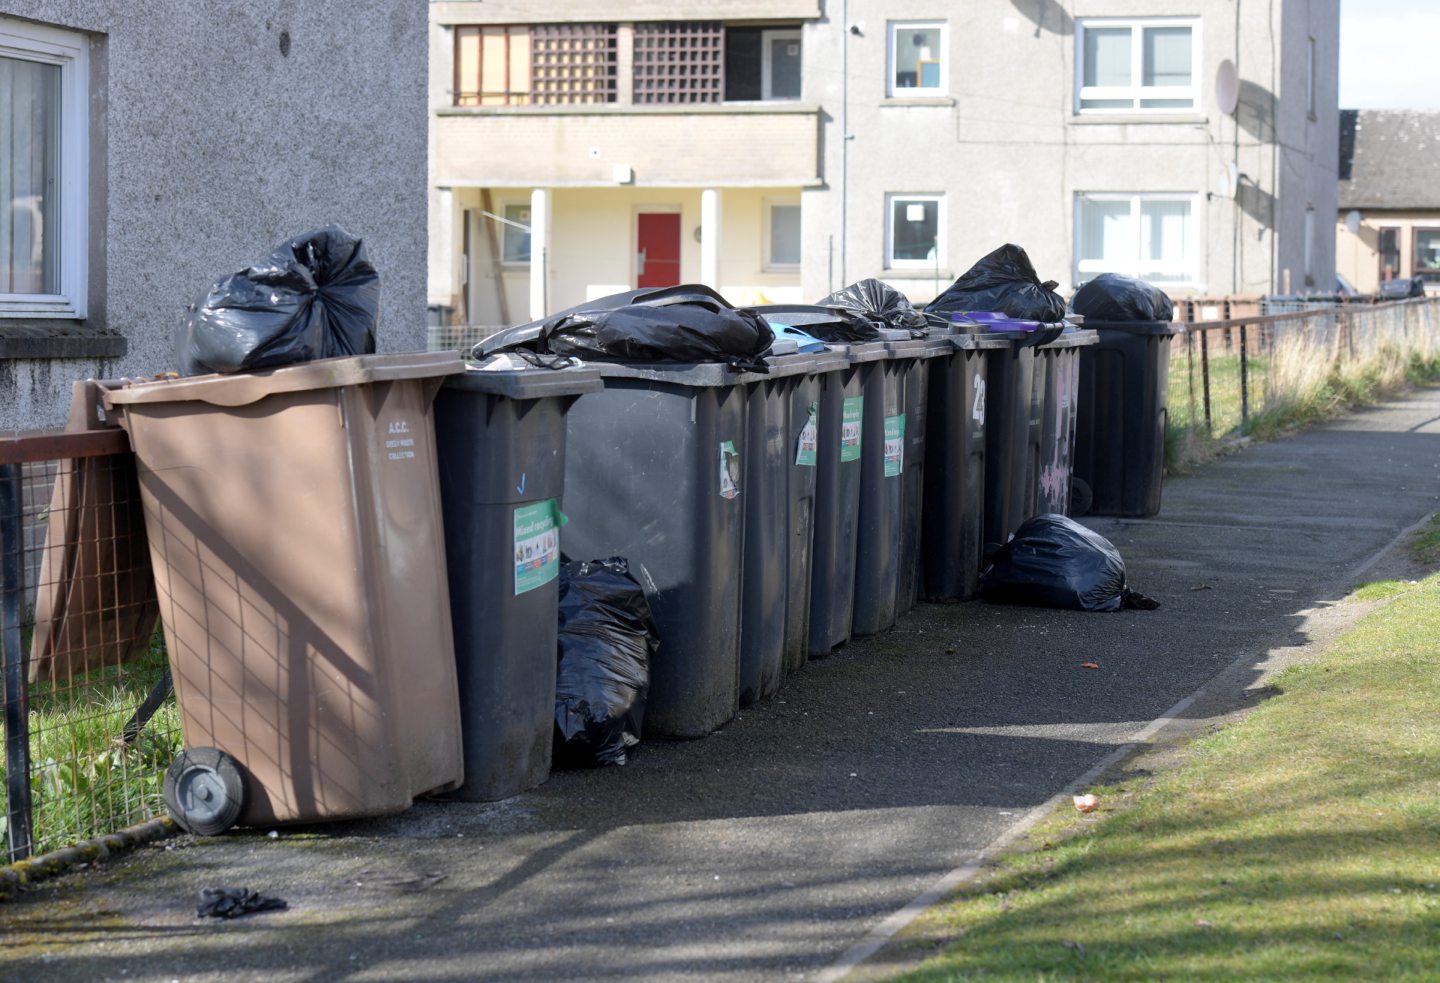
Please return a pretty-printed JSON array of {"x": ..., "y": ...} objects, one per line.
[
  {"x": 1073, "y": 338},
  {"x": 500, "y": 376},
  {"x": 1166, "y": 328},
  {"x": 1018, "y": 331},
  {"x": 244, "y": 388}
]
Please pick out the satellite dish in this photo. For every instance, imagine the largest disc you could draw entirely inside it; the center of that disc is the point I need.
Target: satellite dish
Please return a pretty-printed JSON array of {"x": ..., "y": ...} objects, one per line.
[
  {"x": 1227, "y": 87},
  {"x": 1352, "y": 222}
]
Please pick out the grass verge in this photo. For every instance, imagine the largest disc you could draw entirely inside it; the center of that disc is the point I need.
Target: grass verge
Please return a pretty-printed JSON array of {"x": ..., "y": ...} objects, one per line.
[{"x": 1302, "y": 843}]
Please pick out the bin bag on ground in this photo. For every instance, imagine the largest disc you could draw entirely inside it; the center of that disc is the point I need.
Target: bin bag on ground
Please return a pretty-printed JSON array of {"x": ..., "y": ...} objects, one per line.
[
  {"x": 607, "y": 641},
  {"x": 881, "y": 303},
  {"x": 1053, "y": 561},
  {"x": 689, "y": 324},
  {"x": 833, "y": 325},
  {"x": 1005, "y": 281},
  {"x": 1116, "y": 297},
  {"x": 316, "y": 296}
]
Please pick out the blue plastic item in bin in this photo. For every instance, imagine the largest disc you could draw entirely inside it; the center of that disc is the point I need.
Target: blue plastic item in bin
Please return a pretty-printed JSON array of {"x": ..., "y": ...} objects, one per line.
[
  {"x": 807, "y": 343},
  {"x": 1023, "y": 333}
]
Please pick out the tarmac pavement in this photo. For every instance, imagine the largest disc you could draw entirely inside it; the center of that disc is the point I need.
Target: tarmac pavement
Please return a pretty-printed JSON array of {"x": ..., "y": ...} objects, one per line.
[{"x": 770, "y": 848}]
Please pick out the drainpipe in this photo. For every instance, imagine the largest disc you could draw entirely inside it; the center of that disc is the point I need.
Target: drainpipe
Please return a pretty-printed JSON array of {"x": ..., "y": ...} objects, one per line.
[{"x": 844, "y": 131}]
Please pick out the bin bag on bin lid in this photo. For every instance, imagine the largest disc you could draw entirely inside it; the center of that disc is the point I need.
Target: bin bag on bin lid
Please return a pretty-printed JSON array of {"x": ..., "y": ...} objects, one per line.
[
  {"x": 881, "y": 303},
  {"x": 834, "y": 325},
  {"x": 1053, "y": 561},
  {"x": 316, "y": 296},
  {"x": 1003, "y": 281},
  {"x": 1116, "y": 297},
  {"x": 689, "y": 324},
  {"x": 607, "y": 641}
]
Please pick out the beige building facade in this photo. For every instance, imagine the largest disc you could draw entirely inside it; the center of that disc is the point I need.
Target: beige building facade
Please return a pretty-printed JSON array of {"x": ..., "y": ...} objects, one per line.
[{"x": 780, "y": 150}]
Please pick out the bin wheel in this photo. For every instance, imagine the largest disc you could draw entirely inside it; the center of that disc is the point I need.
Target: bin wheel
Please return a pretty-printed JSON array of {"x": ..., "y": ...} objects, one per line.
[
  {"x": 1081, "y": 497},
  {"x": 204, "y": 792}
]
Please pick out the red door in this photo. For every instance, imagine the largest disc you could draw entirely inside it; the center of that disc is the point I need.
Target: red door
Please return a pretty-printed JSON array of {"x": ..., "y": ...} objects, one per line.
[{"x": 657, "y": 260}]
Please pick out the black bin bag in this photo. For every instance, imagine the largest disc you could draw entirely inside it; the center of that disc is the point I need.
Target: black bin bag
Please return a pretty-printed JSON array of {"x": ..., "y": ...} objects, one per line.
[
  {"x": 881, "y": 303},
  {"x": 316, "y": 296},
  {"x": 1005, "y": 281},
  {"x": 1053, "y": 561},
  {"x": 688, "y": 323},
  {"x": 607, "y": 641},
  {"x": 1116, "y": 297}
]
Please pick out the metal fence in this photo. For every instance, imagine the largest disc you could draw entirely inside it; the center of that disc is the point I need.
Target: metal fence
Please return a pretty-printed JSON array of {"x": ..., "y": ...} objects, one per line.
[
  {"x": 89, "y": 721},
  {"x": 458, "y": 337},
  {"x": 1226, "y": 372}
]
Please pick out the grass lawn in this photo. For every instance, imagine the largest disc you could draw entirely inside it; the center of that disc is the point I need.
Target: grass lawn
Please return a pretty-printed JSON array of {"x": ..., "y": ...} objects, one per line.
[{"x": 1302, "y": 843}]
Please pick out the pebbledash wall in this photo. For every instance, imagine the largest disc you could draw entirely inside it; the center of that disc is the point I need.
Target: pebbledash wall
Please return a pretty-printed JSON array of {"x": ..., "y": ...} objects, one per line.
[{"x": 216, "y": 131}]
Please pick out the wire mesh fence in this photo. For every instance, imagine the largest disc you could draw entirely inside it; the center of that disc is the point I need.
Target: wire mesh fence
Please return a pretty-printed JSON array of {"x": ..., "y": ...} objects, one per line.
[
  {"x": 89, "y": 722},
  {"x": 1226, "y": 374},
  {"x": 458, "y": 337}
]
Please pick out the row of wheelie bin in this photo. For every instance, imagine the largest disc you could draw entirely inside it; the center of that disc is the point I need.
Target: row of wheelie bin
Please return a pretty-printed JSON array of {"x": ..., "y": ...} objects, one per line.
[{"x": 357, "y": 558}]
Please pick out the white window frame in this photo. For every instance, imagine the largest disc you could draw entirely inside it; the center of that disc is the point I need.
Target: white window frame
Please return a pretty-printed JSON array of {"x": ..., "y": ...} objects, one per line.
[
  {"x": 766, "y": 71},
  {"x": 769, "y": 264},
  {"x": 1135, "y": 91},
  {"x": 1087, "y": 269},
  {"x": 503, "y": 205},
  {"x": 891, "y": 199},
  {"x": 69, "y": 50},
  {"x": 892, "y": 29}
]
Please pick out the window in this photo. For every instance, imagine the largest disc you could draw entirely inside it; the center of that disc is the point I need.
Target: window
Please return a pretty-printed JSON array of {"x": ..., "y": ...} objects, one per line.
[
  {"x": 1427, "y": 255},
  {"x": 762, "y": 63},
  {"x": 1389, "y": 253},
  {"x": 44, "y": 158},
  {"x": 1133, "y": 66},
  {"x": 917, "y": 59},
  {"x": 678, "y": 62},
  {"x": 912, "y": 234},
  {"x": 782, "y": 235},
  {"x": 1151, "y": 236},
  {"x": 515, "y": 240},
  {"x": 546, "y": 64}
]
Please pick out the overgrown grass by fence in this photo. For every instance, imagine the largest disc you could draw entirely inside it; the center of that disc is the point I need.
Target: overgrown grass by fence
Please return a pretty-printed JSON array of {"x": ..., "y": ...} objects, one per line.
[{"x": 1263, "y": 376}]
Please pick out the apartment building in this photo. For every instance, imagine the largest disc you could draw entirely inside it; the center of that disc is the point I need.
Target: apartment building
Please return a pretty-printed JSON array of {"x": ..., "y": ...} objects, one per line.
[{"x": 780, "y": 150}]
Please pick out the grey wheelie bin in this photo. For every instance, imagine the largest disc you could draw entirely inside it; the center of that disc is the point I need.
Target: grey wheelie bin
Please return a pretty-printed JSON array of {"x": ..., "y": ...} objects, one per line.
[
  {"x": 654, "y": 473},
  {"x": 780, "y": 465},
  {"x": 1058, "y": 363},
  {"x": 1120, "y": 430},
  {"x": 500, "y": 435},
  {"x": 295, "y": 533},
  {"x": 837, "y": 494},
  {"x": 954, "y": 507},
  {"x": 880, "y": 535},
  {"x": 1016, "y": 411}
]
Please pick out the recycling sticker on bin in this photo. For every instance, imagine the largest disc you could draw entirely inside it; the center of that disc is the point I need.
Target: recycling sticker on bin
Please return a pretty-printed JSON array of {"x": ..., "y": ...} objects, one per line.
[
  {"x": 850, "y": 417},
  {"x": 894, "y": 445},
  {"x": 537, "y": 544},
  {"x": 729, "y": 470},
  {"x": 809, "y": 438}
]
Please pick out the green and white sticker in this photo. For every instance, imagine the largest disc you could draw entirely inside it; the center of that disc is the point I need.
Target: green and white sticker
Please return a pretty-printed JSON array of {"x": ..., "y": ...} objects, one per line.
[
  {"x": 729, "y": 470},
  {"x": 850, "y": 417},
  {"x": 894, "y": 445},
  {"x": 809, "y": 438},
  {"x": 537, "y": 544}
]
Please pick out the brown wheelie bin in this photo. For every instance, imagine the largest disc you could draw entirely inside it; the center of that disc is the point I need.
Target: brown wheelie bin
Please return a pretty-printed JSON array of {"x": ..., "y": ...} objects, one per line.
[{"x": 294, "y": 526}]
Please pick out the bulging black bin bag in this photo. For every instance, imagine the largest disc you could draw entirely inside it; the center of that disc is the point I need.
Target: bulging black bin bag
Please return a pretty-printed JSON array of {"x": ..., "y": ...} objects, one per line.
[
  {"x": 606, "y": 643},
  {"x": 834, "y": 325},
  {"x": 1005, "y": 281},
  {"x": 1116, "y": 297},
  {"x": 880, "y": 303},
  {"x": 688, "y": 323},
  {"x": 1053, "y": 561}
]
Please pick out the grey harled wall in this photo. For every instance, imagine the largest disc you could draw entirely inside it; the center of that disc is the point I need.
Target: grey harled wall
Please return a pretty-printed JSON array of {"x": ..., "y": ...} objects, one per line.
[{"x": 219, "y": 147}]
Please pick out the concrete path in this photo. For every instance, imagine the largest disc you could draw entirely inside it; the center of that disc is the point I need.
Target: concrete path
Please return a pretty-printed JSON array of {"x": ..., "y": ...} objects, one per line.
[{"x": 769, "y": 849}]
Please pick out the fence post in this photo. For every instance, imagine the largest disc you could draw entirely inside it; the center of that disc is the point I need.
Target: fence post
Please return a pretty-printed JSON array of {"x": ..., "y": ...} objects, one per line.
[
  {"x": 1244, "y": 381},
  {"x": 12, "y": 656},
  {"x": 1205, "y": 377}
]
